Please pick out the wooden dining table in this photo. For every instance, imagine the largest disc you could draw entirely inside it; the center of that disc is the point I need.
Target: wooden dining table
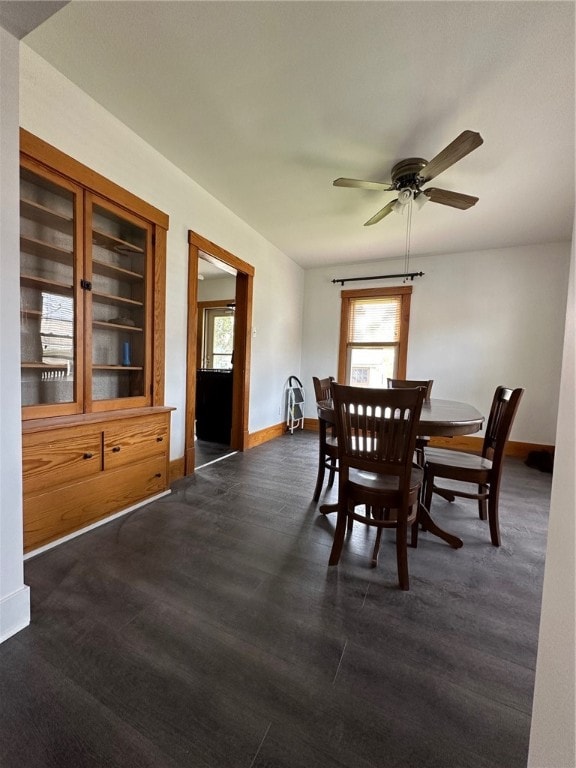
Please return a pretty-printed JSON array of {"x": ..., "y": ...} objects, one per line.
[{"x": 438, "y": 418}]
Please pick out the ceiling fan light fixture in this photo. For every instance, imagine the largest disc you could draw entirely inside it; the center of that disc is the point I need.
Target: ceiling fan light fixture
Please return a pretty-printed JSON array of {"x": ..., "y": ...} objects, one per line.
[
  {"x": 421, "y": 199},
  {"x": 405, "y": 195}
]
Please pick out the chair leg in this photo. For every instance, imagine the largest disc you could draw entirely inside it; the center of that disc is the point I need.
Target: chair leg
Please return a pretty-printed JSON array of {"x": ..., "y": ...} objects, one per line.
[
  {"x": 332, "y": 474},
  {"x": 402, "y": 555},
  {"x": 493, "y": 516},
  {"x": 414, "y": 528},
  {"x": 427, "y": 492},
  {"x": 376, "y": 549},
  {"x": 482, "y": 509},
  {"x": 320, "y": 476},
  {"x": 339, "y": 535}
]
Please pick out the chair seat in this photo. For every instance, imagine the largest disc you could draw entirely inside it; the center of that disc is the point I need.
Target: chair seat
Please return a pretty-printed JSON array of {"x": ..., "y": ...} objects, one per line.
[
  {"x": 372, "y": 481},
  {"x": 456, "y": 459}
]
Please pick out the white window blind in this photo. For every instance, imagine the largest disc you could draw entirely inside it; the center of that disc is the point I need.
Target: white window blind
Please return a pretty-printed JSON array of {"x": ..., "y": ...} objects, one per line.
[{"x": 372, "y": 321}]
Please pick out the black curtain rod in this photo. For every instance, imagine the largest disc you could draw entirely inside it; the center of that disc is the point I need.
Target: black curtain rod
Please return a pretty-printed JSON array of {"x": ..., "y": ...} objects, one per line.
[{"x": 343, "y": 280}]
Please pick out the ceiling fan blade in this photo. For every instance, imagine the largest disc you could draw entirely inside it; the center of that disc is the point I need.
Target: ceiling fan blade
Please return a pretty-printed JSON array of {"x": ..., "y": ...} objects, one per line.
[
  {"x": 459, "y": 148},
  {"x": 381, "y": 213},
  {"x": 445, "y": 197},
  {"x": 377, "y": 185}
]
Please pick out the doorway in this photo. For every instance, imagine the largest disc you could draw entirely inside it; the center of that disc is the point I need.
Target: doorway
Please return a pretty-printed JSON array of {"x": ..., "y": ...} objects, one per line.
[
  {"x": 236, "y": 377},
  {"x": 214, "y": 360}
]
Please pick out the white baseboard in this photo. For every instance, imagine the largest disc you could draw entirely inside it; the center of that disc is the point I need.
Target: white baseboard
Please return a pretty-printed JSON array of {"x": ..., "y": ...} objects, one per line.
[{"x": 14, "y": 612}]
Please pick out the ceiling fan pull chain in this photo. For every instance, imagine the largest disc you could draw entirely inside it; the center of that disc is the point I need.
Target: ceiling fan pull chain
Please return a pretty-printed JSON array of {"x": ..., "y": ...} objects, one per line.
[{"x": 408, "y": 230}]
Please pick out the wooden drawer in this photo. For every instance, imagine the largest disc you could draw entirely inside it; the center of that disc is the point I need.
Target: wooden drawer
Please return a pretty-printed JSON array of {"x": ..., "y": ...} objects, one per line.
[
  {"x": 49, "y": 516},
  {"x": 50, "y": 459},
  {"x": 134, "y": 440}
]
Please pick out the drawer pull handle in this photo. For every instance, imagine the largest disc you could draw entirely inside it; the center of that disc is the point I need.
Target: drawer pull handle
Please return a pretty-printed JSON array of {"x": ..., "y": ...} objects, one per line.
[
  {"x": 158, "y": 474},
  {"x": 159, "y": 439},
  {"x": 116, "y": 449},
  {"x": 88, "y": 455}
]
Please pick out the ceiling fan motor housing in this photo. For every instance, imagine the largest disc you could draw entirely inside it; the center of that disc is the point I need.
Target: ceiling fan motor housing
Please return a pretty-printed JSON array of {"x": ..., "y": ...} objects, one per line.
[{"x": 406, "y": 173}]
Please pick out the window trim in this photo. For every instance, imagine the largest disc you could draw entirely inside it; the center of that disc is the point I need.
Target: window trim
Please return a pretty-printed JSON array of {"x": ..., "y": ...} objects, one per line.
[{"x": 405, "y": 292}]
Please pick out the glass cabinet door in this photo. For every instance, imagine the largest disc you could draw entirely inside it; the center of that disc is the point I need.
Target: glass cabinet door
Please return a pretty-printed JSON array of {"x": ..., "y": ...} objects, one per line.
[
  {"x": 50, "y": 209},
  {"x": 118, "y": 262}
]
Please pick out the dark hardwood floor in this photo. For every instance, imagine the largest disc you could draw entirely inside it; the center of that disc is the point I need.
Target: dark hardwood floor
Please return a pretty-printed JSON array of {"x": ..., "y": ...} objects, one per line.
[
  {"x": 206, "y": 629},
  {"x": 207, "y": 452}
]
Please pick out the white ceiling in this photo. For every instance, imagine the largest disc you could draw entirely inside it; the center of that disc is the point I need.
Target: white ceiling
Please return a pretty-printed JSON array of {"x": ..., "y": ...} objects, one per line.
[{"x": 265, "y": 103}]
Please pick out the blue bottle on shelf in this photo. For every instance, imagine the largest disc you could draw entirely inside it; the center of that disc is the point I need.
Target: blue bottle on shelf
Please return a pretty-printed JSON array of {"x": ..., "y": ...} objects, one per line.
[{"x": 126, "y": 353}]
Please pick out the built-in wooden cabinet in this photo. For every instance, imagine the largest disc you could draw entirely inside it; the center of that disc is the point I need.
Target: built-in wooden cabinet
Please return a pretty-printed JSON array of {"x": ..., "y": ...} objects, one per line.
[
  {"x": 79, "y": 472},
  {"x": 92, "y": 285}
]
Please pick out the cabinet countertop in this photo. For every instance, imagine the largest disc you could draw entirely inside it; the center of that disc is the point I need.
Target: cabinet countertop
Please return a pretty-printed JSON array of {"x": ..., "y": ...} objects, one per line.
[{"x": 60, "y": 422}]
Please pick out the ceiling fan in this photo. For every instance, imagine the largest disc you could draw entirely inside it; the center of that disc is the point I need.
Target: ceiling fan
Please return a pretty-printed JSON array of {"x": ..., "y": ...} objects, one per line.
[{"x": 408, "y": 177}]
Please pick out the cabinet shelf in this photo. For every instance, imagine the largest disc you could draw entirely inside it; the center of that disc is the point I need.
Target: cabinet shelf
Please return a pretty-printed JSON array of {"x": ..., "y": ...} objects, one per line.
[
  {"x": 45, "y": 366},
  {"x": 116, "y": 326},
  {"x": 46, "y": 250},
  {"x": 107, "y": 298},
  {"x": 117, "y": 273},
  {"x": 114, "y": 243},
  {"x": 30, "y": 281},
  {"x": 117, "y": 368},
  {"x": 46, "y": 216}
]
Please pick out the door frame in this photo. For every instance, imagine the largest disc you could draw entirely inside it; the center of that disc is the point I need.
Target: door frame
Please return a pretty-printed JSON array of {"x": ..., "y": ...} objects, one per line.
[{"x": 242, "y": 343}]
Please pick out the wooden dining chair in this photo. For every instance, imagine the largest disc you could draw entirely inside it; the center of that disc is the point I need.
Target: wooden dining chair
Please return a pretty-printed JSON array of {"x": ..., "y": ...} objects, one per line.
[
  {"x": 327, "y": 443},
  {"x": 484, "y": 470},
  {"x": 410, "y": 383},
  {"x": 422, "y": 440},
  {"x": 376, "y": 431}
]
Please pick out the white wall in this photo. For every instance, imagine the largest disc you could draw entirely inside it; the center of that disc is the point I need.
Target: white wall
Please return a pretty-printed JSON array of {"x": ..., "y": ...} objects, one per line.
[
  {"x": 217, "y": 288},
  {"x": 14, "y": 596},
  {"x": 477, "y": 320},
  {"x": 552, "y": 736},
  {"x": 54, "y": 109}
]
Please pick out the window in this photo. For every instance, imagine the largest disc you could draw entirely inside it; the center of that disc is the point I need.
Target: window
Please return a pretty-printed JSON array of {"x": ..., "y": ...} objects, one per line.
[
  {"x": 218, "y": 337},
  {"x": 374, "y": 335}
]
